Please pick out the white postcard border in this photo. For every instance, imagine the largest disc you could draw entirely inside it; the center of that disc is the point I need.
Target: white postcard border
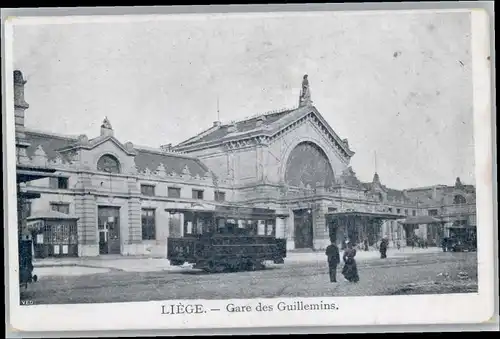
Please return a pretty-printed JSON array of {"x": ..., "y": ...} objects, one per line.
[{"x": 461, "y": 308}]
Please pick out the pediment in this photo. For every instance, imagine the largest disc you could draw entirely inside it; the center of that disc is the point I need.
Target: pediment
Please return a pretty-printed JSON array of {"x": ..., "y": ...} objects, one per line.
[
  {"x": 250, "y": 132},
  {"x": 86, "y": 144},
  {"x": 310, "y": 113}
]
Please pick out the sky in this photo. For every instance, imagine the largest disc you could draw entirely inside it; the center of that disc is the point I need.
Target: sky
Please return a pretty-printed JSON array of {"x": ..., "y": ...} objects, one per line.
[{"x": 398, "y": 85}]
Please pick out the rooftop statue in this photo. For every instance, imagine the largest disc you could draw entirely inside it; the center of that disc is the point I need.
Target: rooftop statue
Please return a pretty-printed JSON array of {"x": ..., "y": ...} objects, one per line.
[
  {"x": 305, "y": 94},
  {"x": 106, "y": 123}
]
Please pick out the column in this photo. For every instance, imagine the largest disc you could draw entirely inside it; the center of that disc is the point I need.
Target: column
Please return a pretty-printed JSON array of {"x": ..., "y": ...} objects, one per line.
[
  {"x": 134, "y": 213},
  {"x": 280, "y": 228},
  {"x": 321, "y": 235},
  {"x": 86, "y": 211},
  {"x": 289, "y": 229}
]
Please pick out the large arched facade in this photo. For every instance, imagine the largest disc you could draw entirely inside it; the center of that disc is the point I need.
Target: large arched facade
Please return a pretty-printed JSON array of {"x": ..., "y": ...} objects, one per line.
[{"x": 308, "y": 166}]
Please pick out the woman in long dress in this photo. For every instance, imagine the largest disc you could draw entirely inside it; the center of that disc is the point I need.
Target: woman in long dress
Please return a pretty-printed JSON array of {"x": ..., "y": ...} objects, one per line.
[{"x": 350, "y": 270}]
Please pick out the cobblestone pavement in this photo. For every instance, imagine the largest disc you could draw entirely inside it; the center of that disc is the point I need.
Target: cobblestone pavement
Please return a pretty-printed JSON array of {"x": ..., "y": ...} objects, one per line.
[{"x": 377, "y": 277}]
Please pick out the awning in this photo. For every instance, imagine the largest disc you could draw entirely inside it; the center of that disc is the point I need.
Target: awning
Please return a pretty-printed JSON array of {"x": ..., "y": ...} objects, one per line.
[
  {"x": 51, "y": 215},
  {"x": 30, "y": 173},
  {"x": 421, "y": 220},
  {"x": 28, "y": 195},
  {"x": 372, "y": 215},
  {"x": 462, "y": 227},
  {"x": 227, "y": 211}
]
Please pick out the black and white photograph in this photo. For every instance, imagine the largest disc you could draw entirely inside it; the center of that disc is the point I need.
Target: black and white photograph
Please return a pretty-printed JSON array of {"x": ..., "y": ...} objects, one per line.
[{"x": 272, "y": 162}]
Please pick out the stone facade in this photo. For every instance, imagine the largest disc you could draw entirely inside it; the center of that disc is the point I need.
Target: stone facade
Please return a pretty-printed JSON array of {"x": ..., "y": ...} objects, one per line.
[{"x": 245, "y": 160}]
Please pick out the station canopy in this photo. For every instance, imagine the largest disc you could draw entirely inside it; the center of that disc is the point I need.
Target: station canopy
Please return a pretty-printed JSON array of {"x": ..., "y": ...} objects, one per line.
[
  {"x": 37, "y": 220},
  {"x": 30, "y": 173},
  {"x": 368, "y": 215},
  {"x": 421, "y": 220}
]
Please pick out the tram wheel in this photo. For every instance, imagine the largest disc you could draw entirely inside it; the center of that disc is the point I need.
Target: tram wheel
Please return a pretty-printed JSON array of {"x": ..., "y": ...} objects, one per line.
[
  {"x": 255, "y": 266},
  {"x": 216, "y": 267}
]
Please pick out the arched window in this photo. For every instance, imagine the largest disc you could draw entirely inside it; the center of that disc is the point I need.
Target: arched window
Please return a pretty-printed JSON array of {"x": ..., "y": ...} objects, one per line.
[
  {"x": 308, "y": 165},
  {"x": 459, "y": 199},
  {"x": 108, "y": 163}
]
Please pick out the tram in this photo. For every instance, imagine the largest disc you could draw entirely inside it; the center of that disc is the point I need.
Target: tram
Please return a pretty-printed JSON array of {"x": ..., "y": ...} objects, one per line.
[{"x": 227, "y": 239}]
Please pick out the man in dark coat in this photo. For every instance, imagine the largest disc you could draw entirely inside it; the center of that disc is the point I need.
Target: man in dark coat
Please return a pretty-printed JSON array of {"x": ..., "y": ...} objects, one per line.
[
  {"x": 383, "y": 248},
  {"x": 333, "y": 255}
]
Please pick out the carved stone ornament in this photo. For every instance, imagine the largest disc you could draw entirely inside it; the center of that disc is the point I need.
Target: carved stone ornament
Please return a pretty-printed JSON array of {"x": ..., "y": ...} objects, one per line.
[
  {"x": 57, "y": 161},
  {"x": 161, "y": 171},
  {"x": 186, "y": 171}
]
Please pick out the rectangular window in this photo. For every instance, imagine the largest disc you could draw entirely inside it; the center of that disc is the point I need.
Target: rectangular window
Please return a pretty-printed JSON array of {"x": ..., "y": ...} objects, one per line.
[
  {"x": 60, "y": 207},
  {"x": 148, "y": 190},
  {"x": 148, "y": 224},
  {"x": 414, "y": 213},
  {"x": 198, "y": 194},
  {"x": 58, "y": 183},
  {"x": 174, "y": 192},
  {"x": 399, "y": 211},
  {"x": 219, "y": 196},
  {"x": 406, "y": 212},
  {"x": 390, "y": 209},
  {"x": 433, "y": 212}
]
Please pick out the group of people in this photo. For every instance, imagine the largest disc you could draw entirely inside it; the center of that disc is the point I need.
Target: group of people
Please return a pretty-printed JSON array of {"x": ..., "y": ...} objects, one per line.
[{"x": 350, "y": 269}]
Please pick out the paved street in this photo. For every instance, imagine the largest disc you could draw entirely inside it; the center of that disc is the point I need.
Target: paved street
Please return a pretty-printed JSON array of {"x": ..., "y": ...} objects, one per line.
[{"x": 423, "y": 273}]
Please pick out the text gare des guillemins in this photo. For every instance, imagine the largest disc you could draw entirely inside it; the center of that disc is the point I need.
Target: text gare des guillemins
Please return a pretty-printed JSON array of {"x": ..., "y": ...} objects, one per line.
[{"x": 180, "y": 308}]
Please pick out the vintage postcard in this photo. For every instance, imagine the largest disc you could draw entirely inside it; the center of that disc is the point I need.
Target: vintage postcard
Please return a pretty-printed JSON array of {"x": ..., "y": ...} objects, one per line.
[{"x": 248, "y": 169}]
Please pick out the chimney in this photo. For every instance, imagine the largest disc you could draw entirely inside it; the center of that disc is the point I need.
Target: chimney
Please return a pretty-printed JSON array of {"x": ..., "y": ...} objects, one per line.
[
  {"x": 19, "y": 104},
  {"x": 106, "y": 129}
]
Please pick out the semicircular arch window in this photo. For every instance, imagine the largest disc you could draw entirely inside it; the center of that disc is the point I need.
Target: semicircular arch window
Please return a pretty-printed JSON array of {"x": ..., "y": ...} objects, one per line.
[
  {"x": 308, "y": 165},
  {"x": 109, "y": 164}
]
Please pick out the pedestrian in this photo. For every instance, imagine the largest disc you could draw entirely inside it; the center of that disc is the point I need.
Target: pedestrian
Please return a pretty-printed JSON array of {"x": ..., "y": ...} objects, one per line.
[
  {"x": 333, "y": 257},
  {"x": 350, "y": 270},
  {"x": 365, "y": 243},
  {"x": 383, "y": 248},
  {"x": 398, "y": 244},
  {"x": 444, "y": 244}
]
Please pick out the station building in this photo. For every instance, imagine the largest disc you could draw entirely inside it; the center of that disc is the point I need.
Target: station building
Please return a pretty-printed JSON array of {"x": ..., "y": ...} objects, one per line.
[{"x": 107, "y": 196}]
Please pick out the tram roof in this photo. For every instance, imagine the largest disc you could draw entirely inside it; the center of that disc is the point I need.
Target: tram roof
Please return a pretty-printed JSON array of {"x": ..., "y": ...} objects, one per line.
[
  {"x": 230, "y": 211},
  {"x": 373, "y": 215}
]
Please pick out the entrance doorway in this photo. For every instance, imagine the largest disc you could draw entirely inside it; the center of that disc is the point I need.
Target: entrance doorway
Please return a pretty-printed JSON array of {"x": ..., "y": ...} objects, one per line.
[
  {"x": 108, "y": 225},
  {"x": 303, "y": 226}
]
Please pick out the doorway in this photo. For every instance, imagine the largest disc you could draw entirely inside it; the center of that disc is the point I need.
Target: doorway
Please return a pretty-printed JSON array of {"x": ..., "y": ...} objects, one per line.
[
  {"x": 303, "y": 226},
  {"x": 108, "y": 225}
]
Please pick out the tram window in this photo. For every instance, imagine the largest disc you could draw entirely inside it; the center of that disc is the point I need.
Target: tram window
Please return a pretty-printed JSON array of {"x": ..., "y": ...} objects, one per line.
[
  {"x": 221, "y": 224},
  {"x": 199, "y": 226},
  {"x": 189, "y": 227},
  {"x": 252, "y": 227},
  {"x": 270, "y": 228},
  {"x": 241, "y": 223},
  {"x": 261, "y": 227}
]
